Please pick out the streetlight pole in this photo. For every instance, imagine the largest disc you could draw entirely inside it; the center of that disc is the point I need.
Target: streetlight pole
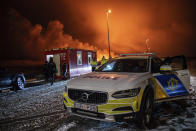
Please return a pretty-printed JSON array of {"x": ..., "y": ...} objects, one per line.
[{"x": 108, "y": 12}]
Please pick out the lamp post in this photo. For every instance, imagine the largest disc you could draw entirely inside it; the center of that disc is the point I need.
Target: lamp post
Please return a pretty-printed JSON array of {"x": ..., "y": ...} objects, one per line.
[{"x": 108, "y": 12}]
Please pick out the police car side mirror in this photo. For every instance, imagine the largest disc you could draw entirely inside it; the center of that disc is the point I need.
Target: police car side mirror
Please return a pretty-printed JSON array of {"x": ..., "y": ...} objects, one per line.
[{"x": 164, "y": 69}]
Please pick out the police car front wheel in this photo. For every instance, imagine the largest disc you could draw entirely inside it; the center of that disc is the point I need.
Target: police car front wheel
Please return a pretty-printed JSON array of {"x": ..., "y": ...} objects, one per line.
[
  {"x": 144, "y": 116},
  {"x": 148, "y": 111}
]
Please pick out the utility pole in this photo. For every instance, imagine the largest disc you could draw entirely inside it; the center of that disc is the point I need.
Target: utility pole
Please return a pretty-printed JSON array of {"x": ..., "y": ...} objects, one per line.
[{"x": 108, "y": 12}]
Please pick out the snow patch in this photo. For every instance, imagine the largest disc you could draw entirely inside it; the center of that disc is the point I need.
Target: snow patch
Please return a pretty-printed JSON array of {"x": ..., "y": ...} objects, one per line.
[{"x": 67, "y": 126}]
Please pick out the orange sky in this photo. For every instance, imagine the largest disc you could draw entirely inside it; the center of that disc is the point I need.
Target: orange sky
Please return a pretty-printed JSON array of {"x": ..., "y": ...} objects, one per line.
[
  {"x": 164, "y": 23},
  {"x": 33, "y": 26}
]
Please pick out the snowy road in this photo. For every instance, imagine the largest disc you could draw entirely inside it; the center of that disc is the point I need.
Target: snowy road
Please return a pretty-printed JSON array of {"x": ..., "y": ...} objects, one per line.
[
  {"x": 38, "y": 107},
  {"x": 41, "y": 108}
]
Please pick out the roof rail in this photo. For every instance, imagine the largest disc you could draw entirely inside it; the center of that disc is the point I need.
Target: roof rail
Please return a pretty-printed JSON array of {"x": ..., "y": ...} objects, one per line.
[{"x": 139, "y": 54}]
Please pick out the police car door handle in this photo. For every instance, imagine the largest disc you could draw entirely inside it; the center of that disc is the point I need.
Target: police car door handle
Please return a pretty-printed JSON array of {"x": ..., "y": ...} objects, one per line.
[{"x": 182, "y": 74}]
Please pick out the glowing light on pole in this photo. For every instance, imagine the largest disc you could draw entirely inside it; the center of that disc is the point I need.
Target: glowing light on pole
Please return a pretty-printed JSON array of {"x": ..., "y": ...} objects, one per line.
[{"x": 108, "y": 12}]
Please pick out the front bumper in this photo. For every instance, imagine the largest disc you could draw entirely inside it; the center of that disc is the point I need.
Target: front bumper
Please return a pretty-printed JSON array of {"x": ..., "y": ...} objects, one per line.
[
  {"x": 113, "y": 110},
  {"x": 101, "y": 116}
]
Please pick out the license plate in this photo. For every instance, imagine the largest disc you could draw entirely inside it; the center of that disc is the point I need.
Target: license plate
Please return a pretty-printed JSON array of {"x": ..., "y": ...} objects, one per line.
[{"x": 86, "y": 107}]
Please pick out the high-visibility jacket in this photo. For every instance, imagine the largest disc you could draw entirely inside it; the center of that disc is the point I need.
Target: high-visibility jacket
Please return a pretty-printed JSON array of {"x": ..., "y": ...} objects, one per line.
[
  {"x": 103, "y": 61},
  {"x": 93, "y": 63}
]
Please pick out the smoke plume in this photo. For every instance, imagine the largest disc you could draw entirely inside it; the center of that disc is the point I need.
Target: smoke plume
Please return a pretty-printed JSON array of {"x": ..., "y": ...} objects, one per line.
[
  {"x": 28, "y": 41},
  {"x": 168, "y": 25}
]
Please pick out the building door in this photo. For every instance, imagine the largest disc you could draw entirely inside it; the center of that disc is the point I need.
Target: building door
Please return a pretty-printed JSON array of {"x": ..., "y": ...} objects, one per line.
[
  {"x": 48, "y": 57},
  {"x": 89, "y": 57},
  {"x": 63, "y": 64},
  {"x": 56, "y": 59}
]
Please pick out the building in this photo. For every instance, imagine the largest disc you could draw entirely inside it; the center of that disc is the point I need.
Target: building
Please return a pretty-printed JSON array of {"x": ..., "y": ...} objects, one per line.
[{"x": 77, "y": 61}]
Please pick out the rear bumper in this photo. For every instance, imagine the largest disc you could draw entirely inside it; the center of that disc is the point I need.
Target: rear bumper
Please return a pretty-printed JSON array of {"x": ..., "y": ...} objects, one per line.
[
  {"x": 113, "y": 111},
  {"x": 5, "y": 87},
  {"x": 5, "y": 83}
]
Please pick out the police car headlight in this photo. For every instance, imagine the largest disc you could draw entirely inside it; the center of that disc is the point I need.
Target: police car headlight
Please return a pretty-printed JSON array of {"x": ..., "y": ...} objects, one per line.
[
  {"x": 66, "y": 88},
  {"x": 126, "y": 93}
]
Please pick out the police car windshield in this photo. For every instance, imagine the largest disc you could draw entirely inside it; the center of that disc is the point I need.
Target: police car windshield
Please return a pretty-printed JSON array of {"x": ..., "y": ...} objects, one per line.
[{"x": 125, "y": 65}]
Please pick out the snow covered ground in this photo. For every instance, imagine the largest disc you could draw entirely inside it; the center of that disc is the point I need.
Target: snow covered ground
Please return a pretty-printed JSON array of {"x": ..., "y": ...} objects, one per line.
[{"x": 41, "y": 108}]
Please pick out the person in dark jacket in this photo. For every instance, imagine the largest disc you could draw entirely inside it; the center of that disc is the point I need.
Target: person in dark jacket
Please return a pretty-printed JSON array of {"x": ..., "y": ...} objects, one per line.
[
  {"x": 64, "y": 70},
  {"x": 52, "y": 70}
]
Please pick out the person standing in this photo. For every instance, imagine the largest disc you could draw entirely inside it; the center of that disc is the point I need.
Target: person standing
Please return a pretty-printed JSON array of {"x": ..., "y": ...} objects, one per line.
[
  {"x": 52, "y": 70},
  {"x": 64, "y": 70},
  {"x": 93, "y": 64},
  {"x": 104, "y": 60}
]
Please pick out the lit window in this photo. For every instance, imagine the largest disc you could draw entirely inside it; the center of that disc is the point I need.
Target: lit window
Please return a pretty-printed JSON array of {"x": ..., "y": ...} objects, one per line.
[
  {"x": 48, "y": 57},
  {"x": 79, "y": 57}
]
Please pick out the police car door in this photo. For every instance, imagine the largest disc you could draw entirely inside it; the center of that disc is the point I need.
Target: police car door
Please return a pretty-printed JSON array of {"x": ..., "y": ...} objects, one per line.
[
  {"x": 175, "y": 82},
  {"x": 179, "y": 68}
]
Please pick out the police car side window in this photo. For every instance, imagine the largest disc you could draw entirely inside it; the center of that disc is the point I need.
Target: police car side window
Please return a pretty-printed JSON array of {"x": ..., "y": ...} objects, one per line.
[
  {"x": 177, "y": 64},
  {"x": 156, "y": 63}
]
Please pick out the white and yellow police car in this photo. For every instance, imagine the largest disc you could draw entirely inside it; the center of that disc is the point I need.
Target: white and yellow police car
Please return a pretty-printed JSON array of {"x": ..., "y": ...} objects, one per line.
[{"x": 127, "y": 88}]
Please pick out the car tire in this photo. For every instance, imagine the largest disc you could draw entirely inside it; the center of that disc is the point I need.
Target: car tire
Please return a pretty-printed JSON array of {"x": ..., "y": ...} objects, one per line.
[
  {"x": 65, "y": 107},
  {"x": 19, "y": 84},
  {"x": 144, "y": 116}
]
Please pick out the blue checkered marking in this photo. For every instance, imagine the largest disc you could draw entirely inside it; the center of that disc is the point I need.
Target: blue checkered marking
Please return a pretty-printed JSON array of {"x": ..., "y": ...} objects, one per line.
[{"x": 180, "y": 90}]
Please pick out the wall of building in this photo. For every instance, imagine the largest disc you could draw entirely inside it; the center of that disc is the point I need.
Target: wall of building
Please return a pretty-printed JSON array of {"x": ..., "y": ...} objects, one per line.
[{"x": 69, "y": 56}]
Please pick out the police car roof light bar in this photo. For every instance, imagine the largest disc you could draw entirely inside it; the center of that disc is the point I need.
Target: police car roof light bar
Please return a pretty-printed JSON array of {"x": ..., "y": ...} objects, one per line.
[{"x": 139, "y": 54}]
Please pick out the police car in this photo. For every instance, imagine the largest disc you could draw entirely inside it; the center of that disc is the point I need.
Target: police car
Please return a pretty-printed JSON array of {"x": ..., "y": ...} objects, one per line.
[{"x": 127, "y": 88}]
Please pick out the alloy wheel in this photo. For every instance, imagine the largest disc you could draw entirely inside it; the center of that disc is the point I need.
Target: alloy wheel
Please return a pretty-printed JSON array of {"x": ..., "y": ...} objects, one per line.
[{"x": 20, "y": 83}]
